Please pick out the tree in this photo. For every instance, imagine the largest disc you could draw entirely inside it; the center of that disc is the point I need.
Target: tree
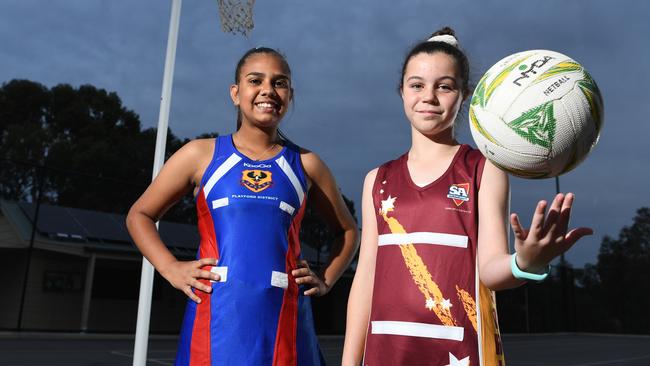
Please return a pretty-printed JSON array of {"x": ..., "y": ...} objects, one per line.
[
  {"x": 91, "y": 153},
  {"x": 611, "y": 296},
  {"x": 624, "y": 278},
  {"x": 23, "y": 115},
  {"x": 315, "y": 232},
  {"x": 89, "y": 148}
]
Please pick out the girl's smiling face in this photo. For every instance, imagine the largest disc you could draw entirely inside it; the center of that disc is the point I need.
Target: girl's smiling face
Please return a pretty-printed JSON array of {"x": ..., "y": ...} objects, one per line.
[
  {"x": 263, "y": 91},
  {"x": 431, "y": 92}
]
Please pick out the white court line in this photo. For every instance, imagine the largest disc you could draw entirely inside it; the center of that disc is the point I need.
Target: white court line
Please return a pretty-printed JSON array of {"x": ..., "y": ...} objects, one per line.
[
  {"x": 612, "y": 361},
  {"x": 127, "y": 355}
]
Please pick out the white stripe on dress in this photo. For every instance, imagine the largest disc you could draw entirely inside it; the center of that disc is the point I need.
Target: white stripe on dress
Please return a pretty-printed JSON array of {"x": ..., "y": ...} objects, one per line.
[
  {"x": 220, "y": 172},
  {"x": 279, "y": 279},
  {"x": 450, "y": 240},
  {"x": 287, "y": 207},
  {"x": 222, "y": 271},
  {"x": 413, "y": 329},
  {"x": 220, "y": 203},
  {"x": 288, "y": 171}
]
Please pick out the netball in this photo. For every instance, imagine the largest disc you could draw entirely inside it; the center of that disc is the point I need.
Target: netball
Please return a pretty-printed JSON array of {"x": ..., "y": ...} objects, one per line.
[{"x": 536, "y": 114}]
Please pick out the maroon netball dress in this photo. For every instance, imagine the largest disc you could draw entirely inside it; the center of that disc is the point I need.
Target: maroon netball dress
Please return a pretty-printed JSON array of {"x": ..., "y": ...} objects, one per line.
[{"x": 428, "y": 305}]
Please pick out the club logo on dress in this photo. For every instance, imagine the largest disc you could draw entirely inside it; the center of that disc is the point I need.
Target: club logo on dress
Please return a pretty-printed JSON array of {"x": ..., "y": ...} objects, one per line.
[
  {"x": 459, "y": 193},
  {"x": 256, "y": 180}
]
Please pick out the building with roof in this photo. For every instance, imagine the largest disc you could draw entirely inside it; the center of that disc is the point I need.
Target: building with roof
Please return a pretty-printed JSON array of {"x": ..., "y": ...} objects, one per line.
[{"x": 84, "y": 273}]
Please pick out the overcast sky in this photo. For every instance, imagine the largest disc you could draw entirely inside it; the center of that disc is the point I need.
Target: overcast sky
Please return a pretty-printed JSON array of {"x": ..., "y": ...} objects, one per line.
[{"x": 346, "y": 58}]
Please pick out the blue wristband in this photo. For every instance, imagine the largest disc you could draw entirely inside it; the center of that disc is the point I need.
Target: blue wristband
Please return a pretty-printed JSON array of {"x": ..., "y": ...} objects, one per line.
[{"x": 521, "y": 275}]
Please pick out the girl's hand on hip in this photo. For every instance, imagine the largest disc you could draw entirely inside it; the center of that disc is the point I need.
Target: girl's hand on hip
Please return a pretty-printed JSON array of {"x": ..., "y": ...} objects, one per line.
[
  {"x": 305, "y": 276},
  {"x": 185, "y": 275}
]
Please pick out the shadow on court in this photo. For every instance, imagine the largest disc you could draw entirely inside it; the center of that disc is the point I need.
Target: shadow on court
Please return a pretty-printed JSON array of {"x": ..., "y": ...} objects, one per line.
[{"x": 565, "y": 349}]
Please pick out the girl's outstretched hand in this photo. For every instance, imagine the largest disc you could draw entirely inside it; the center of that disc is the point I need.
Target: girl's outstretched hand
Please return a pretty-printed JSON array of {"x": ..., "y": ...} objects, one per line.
[
  {"x": 185, "y": 275},
  {"x": 548, "y": 236},
  {"x": 305, "y": 276}
]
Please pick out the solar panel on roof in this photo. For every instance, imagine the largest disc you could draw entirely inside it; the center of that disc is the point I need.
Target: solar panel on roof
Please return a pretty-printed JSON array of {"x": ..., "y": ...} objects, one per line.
[
  {"x": 178, "y": 235},
  {"x": 120, "y": 220},
  {"x": 100, "y": 225},
  {"x": 53, "y": 220},
  {"x": 80, "y": 225}
]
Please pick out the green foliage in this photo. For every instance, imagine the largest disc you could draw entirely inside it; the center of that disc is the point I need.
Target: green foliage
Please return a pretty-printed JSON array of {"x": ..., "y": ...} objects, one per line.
[
  {"x": 611, "y": 296},
  {"x": 624, "y": 276},
  {"x": 315, "y": 231},
  {"x": 90, "y": 150},
  {"x": 22, "y": 136}
]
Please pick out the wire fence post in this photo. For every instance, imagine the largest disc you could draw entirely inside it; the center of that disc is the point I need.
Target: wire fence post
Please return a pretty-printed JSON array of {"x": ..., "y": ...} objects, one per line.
[
  {"x": 39, "y": 176},
  {"x": 564, "y": 288}
]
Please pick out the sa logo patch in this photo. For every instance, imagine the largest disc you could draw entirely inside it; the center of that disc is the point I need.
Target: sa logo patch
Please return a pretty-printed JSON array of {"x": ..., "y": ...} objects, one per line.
[
  {"x": 459, "y": 193},
  {"x": 256, "y": 180}
]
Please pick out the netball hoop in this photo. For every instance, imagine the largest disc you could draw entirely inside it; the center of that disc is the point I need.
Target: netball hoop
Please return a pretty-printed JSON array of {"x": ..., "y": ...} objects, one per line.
[{"x": 236, "y": 17}]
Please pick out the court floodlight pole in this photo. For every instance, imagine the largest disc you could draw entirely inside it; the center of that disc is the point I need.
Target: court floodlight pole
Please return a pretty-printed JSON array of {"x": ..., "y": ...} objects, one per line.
[{"x": 146, "y": 279}]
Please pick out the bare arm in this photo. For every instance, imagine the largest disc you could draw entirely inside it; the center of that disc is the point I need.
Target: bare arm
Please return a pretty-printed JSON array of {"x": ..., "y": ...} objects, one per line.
[
  {"x": 360, "y": 297},
  {"x": 493, "y": 251},
  {"x": 536, "y": 248},
  {"x": 174, "y": 180},
  {"x": 327, "y": 199}
]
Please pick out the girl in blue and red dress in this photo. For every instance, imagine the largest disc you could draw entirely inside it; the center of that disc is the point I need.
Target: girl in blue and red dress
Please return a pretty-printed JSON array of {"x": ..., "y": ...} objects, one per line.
[
  {"x": 434, "y": 241},
  {"x": 249, "y": 288}
]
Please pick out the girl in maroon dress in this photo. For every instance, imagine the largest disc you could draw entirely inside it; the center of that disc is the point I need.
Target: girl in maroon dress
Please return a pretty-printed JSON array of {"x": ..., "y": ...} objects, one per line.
[{"x": 434, "y": 242}]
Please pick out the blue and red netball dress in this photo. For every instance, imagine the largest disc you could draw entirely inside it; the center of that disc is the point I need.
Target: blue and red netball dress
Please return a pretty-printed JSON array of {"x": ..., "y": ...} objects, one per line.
[
  {"x": 428, "y": 305},
  {"x": 249, "y": 218}
]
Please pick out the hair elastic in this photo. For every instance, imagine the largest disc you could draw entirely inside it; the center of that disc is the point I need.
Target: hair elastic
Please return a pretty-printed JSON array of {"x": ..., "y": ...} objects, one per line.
[{"x": 445, "y": 38}]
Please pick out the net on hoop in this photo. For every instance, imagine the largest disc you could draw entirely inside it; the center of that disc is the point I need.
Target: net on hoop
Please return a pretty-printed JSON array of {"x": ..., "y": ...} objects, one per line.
[{"x": 236, "y": 16}]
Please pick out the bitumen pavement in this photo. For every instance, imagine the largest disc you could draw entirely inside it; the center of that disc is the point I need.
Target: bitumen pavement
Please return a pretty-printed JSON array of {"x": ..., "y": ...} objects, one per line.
[{"x": 558, "y": 349}]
